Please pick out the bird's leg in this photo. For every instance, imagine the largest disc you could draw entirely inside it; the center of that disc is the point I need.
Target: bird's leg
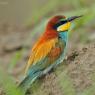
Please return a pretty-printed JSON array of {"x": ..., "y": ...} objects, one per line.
[
  {"x": 49, "y": 69},
  {"x": 52, "y": 70}
]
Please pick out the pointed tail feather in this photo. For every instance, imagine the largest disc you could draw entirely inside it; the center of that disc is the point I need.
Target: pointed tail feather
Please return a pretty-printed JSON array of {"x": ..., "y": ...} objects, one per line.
[{"x": 28, "y": 80}]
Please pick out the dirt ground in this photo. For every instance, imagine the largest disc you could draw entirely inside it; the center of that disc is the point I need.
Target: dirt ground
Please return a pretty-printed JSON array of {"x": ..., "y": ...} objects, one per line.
[
  {"x": 79, "y": 63},
  {"x": 80, "y": 67}
]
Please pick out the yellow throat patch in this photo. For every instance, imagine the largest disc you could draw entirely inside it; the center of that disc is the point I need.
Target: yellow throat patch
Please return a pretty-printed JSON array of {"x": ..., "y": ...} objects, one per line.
[{"x": 64, "y": 27}]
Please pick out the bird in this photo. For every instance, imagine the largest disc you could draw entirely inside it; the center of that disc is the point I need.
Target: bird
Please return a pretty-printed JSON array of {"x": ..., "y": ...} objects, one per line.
[{"x": 49, "y": 50}]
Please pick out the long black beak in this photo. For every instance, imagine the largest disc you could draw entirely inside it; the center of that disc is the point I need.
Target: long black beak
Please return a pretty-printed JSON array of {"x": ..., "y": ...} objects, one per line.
[{"x": 73, "y": 18}]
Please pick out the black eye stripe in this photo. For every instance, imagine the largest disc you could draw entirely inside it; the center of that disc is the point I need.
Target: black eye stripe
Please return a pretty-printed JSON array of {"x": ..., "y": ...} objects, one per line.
[{"x": 60, "y": 23}]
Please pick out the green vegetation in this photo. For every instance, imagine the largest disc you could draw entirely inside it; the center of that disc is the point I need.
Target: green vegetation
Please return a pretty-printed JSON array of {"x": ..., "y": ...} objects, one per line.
[{"x": 8, "y": 84}]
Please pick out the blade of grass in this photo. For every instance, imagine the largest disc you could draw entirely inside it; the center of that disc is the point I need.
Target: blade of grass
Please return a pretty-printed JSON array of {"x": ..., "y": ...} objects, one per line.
[
  {"x": 15, "y": 60},
  {"x": 8, "y": 84}
]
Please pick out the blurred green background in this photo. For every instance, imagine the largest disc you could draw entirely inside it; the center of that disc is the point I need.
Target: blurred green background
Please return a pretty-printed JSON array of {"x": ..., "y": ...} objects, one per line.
[{"x": 21, "y": 24}]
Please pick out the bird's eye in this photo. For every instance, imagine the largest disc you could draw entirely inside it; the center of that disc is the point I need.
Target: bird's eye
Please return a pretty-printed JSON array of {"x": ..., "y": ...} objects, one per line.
[
  {"x": 64, "y": 27},
  {"x": 59, "y": 23}
]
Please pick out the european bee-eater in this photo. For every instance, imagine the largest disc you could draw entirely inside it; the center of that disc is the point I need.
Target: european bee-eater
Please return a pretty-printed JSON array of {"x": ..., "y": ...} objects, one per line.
[{"x": 49, "y": 50}]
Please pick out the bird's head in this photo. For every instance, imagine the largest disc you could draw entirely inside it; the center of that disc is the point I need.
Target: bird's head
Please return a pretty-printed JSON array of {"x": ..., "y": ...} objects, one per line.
[{"x": 60, "y": 23}]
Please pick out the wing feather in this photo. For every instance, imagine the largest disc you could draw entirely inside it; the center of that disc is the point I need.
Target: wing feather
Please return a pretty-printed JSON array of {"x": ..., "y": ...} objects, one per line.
[{"x": 40, "y": 51}]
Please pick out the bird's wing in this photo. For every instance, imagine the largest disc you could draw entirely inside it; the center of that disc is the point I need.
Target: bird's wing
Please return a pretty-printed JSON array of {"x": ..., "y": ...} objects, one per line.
[
  {"x": 40, "y": 51},
  {"x": 49, "y": 50}
]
